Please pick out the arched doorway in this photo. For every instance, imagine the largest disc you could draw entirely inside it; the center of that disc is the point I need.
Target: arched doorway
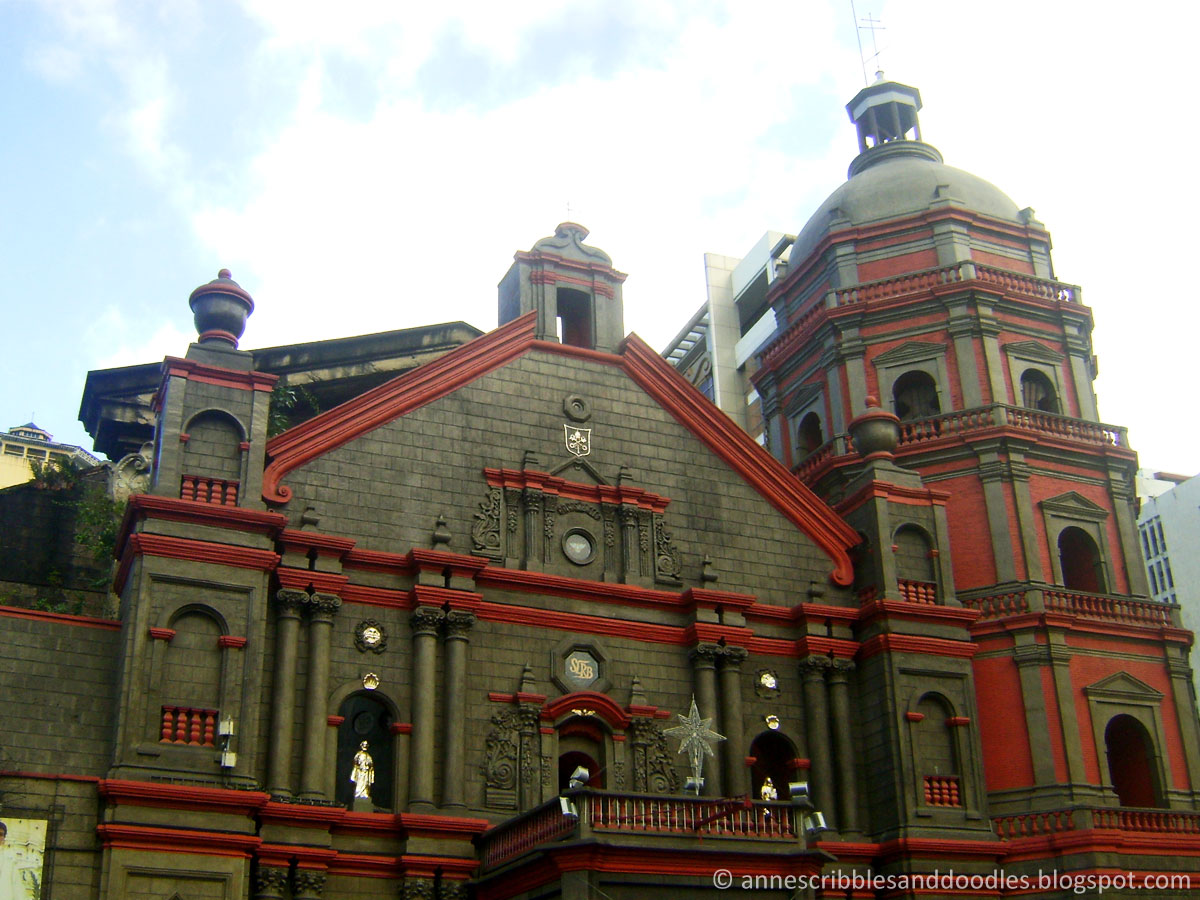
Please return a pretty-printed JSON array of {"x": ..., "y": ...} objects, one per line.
[
  {"x": 1037, "y": 392},
  {"x": 915, "y": 396},
  {"x": 1082, "y": 568},
  {"x": 1130, "y": 762},
  {"x": 773, "y": 754},
  {"x": 808, "y": 435},
  {"x": 365, "y": 718}
]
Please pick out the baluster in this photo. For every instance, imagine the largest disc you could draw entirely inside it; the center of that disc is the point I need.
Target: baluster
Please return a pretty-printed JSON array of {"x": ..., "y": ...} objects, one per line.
[{"x": 168, "y": 715}]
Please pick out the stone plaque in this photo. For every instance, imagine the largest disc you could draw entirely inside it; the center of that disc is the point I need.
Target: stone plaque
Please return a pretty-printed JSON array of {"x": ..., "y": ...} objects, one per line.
[{"x": 580, "y": 669}]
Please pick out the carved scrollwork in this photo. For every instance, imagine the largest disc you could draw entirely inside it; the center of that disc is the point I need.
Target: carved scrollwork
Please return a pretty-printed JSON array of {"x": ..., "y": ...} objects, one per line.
[
  {"x": 323, "y": 607},
  {"x": 570, "y": 506},
  {"x": 289, "y": 602},
  {"x": 666, "y": 556},
  {"x": 512, "y": 508},
  {"x": 270, "y": 882},
  {"x": 458, "y": 623},
  {"x": 417, "y": 889},
  {"x": 485, "y": 533},
  {"x": 499, "y": 767},
  {"x": 308, "y": 883},
  {"x": 653, "y": 772},
  {"x": 426, "y": 620}
]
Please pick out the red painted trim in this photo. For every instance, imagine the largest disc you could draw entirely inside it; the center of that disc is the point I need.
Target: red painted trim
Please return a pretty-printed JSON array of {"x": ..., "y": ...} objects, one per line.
[
  {"x": 244, "y": 446},
  {"x": 585, "y": 353},
  {"x": 175, "y": 796},
  {"x": 173, "y": 509},
  {"x": 300, "y": 579},
  {"x": 334, "y": 721},
  {"x": 519, "y": 697},
  {"x": 596, "y": 591},
  {"x": 908, "y": 643},
  {"x": 955, "y": 721},
  {"x": 706, "y": 598},
  {"x": 325, "y": 544},
  {"x": 759, "y": 469},
  {"x": 412, "y": 390},
  {"x": 300, "y": 814},
  {"x": 562, "y": 621},
  {"x": 443, "y": 826},
  {"x": 539, "y": 258},
  {"x": 618, "y": 738},
  {"x": 601, "y": 704},
  {"x": 184, "y": 437},
  {"x": 228, "y": 641},
  {"x": 306, "y": 857},
  {"x": 545, "y": 729},
  {"x": 143, "y": 544},
  {"x": 378, "y": 561},
  {"x": 228, "y": 378},
  {"x": 531, "y": 479},
  {"x": 800, "y": 762},
  {"x": 917, "y": 612},
  {"x": 914, "y": 716},
  {"x": 544, "y": 276},
  {"x": 177, "y": 840},
  {"x": 400, "y": 728},
  {"x": 750, "y": 761},
  {"x": 892, "y": 493},
  {"x": 637, "y": 711},
  {"x": 15, "y": 612},
  {"x": 163, "y": 634}
]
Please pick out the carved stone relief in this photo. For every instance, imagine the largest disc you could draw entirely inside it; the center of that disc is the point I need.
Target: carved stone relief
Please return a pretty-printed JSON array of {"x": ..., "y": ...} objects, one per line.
[
  {"x": 653, "y": 772},
  {"x": 485, "y": 533}
]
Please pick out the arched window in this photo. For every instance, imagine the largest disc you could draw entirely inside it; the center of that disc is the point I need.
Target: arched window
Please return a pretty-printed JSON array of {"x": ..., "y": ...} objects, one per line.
[
  {"x": 773, "y": 754},
  {"x": 1037, "y": 392},
  {"x": 574, "y": 317},
  {"x": 937, "y": 752},
  {"x": 214, "y": 446},
  {"x": 915, "y": 396},
  {"x": 365, "y": 718},
  {"x": 580, "y": 743},
  {"x": 192, "y": 674},
  {"x": 914, "y": 565},
  {"x": 808, "y": 434},
  {"x": 1082, "y": 567},
  {"x": 1130, "y": 762}
]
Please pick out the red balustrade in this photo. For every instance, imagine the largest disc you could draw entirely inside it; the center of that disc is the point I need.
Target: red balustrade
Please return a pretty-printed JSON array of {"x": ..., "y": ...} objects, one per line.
[
  {"x": 1104, "y": 606},
  {"x": 187, "y": 725},
  {"x": 995, "y": 606},
  {"x": 917, "y": 591},
  {"x": 942, "y": 790},
  {"x": 1034, "y": 824},
  {"x": 203, "y": 489}
]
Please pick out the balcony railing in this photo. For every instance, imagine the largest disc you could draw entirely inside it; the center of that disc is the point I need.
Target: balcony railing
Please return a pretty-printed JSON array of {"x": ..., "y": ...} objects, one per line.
[
  {"x": 918, "y": 433},
  {"x": 203, "y": 489},
  {"x": 1057, "y": 821},
  {"x": 608, "y": 813},
  {"x": 926, "y": 281},
  {"x": 187, "y": 725},
  {"x": 917, "y": 591},
  {"x": 1104, "y": 607},
  {"x": 942, "y": 790}
]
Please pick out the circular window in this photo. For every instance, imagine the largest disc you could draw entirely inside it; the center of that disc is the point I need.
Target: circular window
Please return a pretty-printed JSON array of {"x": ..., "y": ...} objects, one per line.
[{"x": 579, "y": 546}]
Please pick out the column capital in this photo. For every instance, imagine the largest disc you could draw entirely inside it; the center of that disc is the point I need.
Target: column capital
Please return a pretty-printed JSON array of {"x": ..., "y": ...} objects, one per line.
[
  {"x": 426, "y": 620},
  {"x": 290, "y": 602},
  {"x": 457, "y": 623},
  {"x": 704, "y": 655},
  {"x": 813, "y": 668},
  {"x": 323, "y": 607},
  {"x": 840, "y": 670},
  {"x": 732, "y": 657},
  {"x": 308, "y": 883},
  {"x": 270, "y": 882}
]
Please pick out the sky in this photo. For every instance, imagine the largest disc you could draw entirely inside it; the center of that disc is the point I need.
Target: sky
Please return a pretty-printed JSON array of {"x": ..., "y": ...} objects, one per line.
[{"x": 365, "y": 166}]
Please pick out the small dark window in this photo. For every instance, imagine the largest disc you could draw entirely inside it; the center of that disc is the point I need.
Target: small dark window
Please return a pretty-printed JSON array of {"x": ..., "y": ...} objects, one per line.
[
  {"x": 915, "y": 396},
  {"x": 365, "y": 719},
  {"x": 773, "y": 754},
  {"x": 1129, "y": 762},
  {"x": 574, "y": 318},
  {"x": 808, "y": 435},
  {"x": 1037, "y": 392},
  {"x": 1082, "y": 567}
]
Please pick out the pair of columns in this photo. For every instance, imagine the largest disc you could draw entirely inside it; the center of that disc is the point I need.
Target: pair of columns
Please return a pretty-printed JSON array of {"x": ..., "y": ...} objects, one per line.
[
  {"x": 454, "y": 626},
  {"x": 715, "y": 665},
  {"x": 830, "y": 739},
  {"x": 291, "y": 606}
]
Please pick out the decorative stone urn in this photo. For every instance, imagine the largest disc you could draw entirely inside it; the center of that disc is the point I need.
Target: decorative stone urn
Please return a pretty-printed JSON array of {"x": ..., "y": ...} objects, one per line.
[
  {"x": 220, "y": 309},
  {"x": 876, "y": 433}
]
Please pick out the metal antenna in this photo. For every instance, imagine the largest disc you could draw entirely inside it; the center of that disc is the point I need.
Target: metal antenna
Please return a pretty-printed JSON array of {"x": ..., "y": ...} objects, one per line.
[
  {"x": 858, "y": 37},
  {"x": 873, "y": 25}
]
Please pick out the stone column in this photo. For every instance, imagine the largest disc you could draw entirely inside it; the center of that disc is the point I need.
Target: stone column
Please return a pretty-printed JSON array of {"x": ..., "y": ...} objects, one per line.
[
  {"x": 704, "y": 665},
  {"x": 322, "y": 608},
  {"x": 631, "y": 556},
  {"x": 425, "y": 622},
  {"x": 270, "y": 882},
  {"x": 283, "y": 696},
  {"x": 734, "y": 746},
  {"x": 531, "y": 503},
  {"x": 843, "y": 742},
  {"x": 816, "y": 723},
  {"x": 308, "y": 884},
  {"x": 454, "y": 707}
]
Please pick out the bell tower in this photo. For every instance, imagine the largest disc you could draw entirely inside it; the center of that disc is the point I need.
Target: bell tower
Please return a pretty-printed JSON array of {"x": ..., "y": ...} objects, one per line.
[{"x": 572, "y": 286}]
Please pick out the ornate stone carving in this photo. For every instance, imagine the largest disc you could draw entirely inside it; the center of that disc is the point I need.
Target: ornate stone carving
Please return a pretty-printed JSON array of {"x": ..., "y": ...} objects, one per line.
[
  {"x": 653, "y": 772},
  {"x": 609, "y": 528},
  {"x": 704, "y": 655},
  {"x": 458, "y": 623},
  {"x": 417, "y": 889},
  {"x": 644, "y": 532},
  {"x": 131, "y": 474},
  {"x": 841, "y": 669},
  {"x": 546, "y": 769},
  {"x": 485, "y": 533},
  {"x": 618, "y": 770},
  {"x": 270, "y": 882},
  {"x": 426, "y": 620},
  {"x": 308, "y": 883},
  {"x": 370, "y": 635},
  {"x": 666, "y": 556},
  {"x": 732, "y": 657},
  {"x": 323, "y": 607},
  {"x": 570, "y": 506},
  {"x": 452, "y": 890},
  {"x": 813, "y": 668},
  {"x": 499, "y": 767},
  {"x": 289, "y": 602},
  {"x": 512, "y": 508},
  {"x": 576, "y": 408}
]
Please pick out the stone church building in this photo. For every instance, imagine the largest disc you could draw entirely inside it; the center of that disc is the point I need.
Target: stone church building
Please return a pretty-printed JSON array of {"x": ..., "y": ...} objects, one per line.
[{"x": 502, "y": 565}]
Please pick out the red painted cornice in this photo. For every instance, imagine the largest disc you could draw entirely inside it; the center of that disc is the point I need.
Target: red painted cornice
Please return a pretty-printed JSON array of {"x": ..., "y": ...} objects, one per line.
[
  {"x": 173, "y": 509},
  {"x": 14, "y": 612},
  {"x": 917, "y": 612},
  {"x": 601, "y": 704},
  {"x": 174, "y": 796},
  {"x": 231, "y": 378},
  {"x": 177, "y": 840},
  {"x": 300, "y": 579},
  {"x": 760, "y": 470},
  {"x": 563, "y": 621},
  {"x": 412, "y": 390},
  {"x": 143, "y": 544},
  {"x": 521, "y": 479},
  {"x": 562, "y": 586},
  {"x": 324, "y": 544},
  {"x": 910, "y": 643},
  {"x": 894, "y": 493}
]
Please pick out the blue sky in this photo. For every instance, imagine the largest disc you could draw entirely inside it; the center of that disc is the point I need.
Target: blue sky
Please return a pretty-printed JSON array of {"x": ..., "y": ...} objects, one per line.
[{"x": 369, "y": 166}]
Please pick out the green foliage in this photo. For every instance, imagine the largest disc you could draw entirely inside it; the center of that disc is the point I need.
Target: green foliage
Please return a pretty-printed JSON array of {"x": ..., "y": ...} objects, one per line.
[
  {"x": 97, "y": 522},
  {"x": 289, "y": 406},
  {"x": 54, "y": 474}
]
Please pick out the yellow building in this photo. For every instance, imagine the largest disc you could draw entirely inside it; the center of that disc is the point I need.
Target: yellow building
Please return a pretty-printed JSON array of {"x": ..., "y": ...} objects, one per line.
[{"x": 23, "y": 444}]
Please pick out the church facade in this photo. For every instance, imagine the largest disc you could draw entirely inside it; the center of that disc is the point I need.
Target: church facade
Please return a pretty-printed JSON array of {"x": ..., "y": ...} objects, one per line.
[{"x": 447, "y": 637}]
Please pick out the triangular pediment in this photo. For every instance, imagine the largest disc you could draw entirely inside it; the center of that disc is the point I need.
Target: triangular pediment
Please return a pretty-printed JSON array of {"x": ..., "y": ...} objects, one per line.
[
  {"x": 1074, "y": 505},
  {"x": 910, "y": 351},
  {"x": 1032, "y": 350},
  {"x": 579, "y": 470},
  {"x": 1122, "y": 686},
  {"x": 337, "y": 427}
]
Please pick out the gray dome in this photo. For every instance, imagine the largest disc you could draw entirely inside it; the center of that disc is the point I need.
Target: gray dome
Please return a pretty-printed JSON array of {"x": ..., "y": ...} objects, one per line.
[{"x": 899, "y": 179}]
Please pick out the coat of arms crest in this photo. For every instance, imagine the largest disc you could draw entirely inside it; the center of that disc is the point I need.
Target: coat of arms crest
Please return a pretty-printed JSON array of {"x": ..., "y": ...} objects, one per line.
[{"x": 579, "y": 440}]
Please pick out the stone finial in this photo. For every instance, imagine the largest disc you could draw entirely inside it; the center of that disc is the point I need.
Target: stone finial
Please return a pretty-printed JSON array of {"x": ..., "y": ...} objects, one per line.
[
  {"x": 637, "y": 697},
  {"x": 876, "y": 433},
  {"x": 441, "y": 533},
  {"x": 220, "y": 309},
  {"x": 527, "y": 683},
  {"x": 707, "y": 575}
]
